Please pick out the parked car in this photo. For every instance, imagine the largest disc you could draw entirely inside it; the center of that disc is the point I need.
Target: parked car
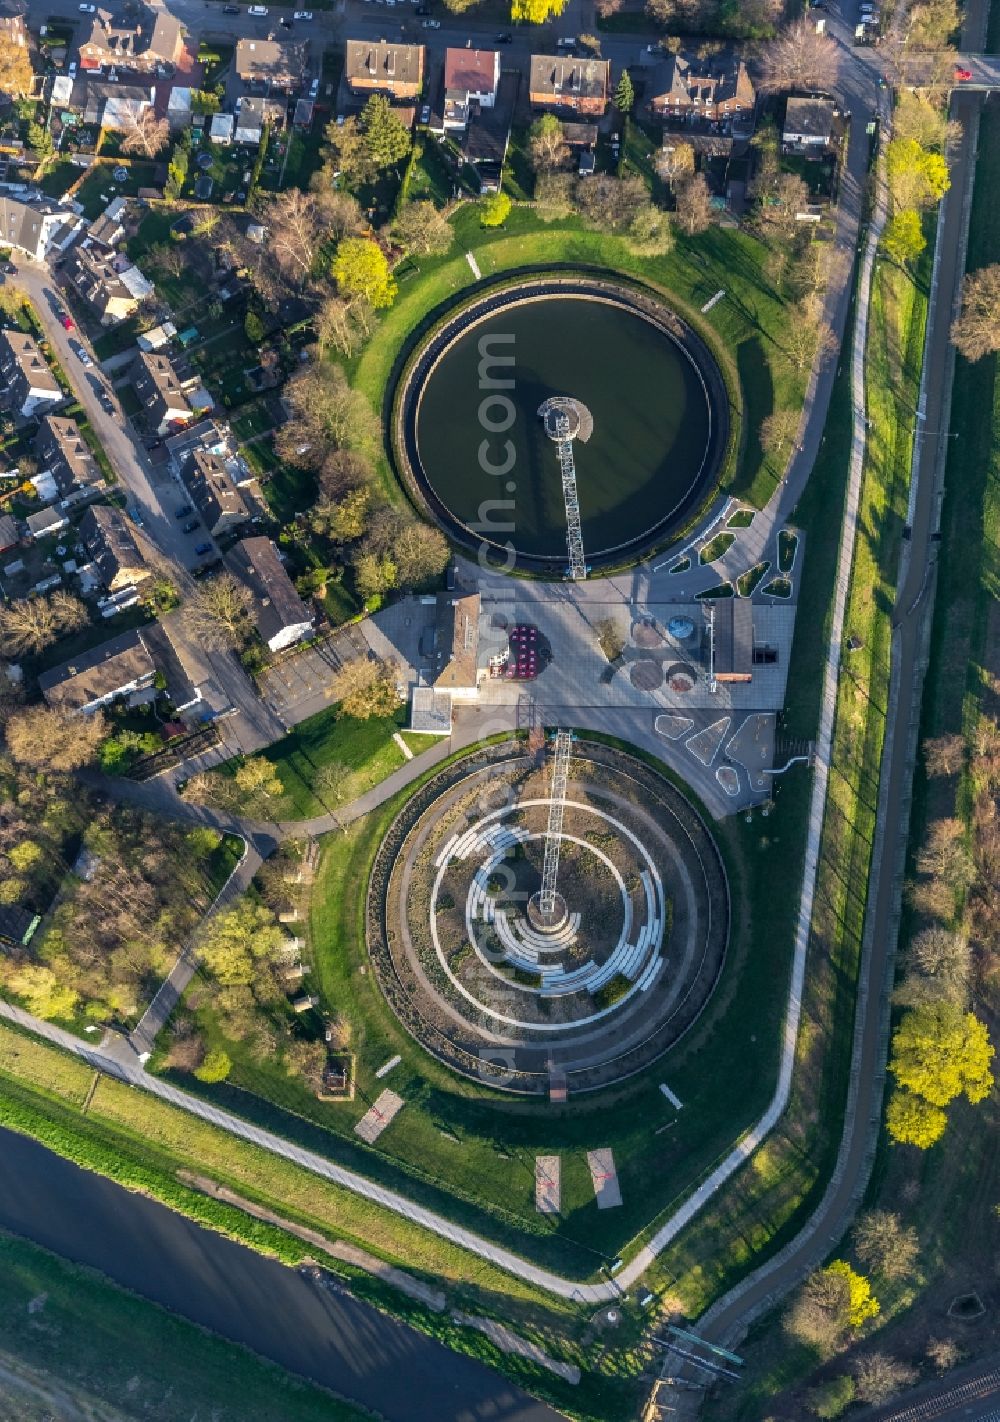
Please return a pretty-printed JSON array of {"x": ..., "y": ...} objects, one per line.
[
  {"x": 567, "y": 42},
  {"x": 183, "y": 511},
  {"x": 9, "y": 269},
  {"x": 106, "y": 402},
  {"x": 230, "y": 9},
  {"x": 203, "y": 548},
  {"x": 87, "y": 9},
  {"x": 425, "y": 113},
  {"x": 504, "y": 39},
  {"x": 432, "y": 24},
  {"x": 962, "y": 76},
  {"x": 302, "y": 15},
  {"x": 190, "y": 527},
  {"x": 80, "y": 354},
  {"x": 71, "y": 71},
  {"x": 285, "y": 22},
  {"x": 259, "y": 10},
  {"x": 66, "y": 320}
]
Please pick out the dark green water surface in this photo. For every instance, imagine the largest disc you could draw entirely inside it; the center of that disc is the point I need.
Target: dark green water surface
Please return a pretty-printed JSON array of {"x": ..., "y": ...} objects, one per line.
[{"x": 640, "y": 471}]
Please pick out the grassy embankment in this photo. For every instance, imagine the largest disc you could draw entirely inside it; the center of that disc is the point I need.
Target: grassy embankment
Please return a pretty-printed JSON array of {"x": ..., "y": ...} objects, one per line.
[
  {"x": 143, "y": 1143},
  {"x": 745, "y": 330},
  {"x": 948, "y": 1194},
  {"x": 73, "y": 1340},
  {"x": 893, "y": 362}
]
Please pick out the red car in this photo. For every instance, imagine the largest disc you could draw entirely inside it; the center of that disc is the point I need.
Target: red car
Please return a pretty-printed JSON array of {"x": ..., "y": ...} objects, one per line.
[
  {"x": 67, "y": 321},
  {"x": 962, "y": 76}
]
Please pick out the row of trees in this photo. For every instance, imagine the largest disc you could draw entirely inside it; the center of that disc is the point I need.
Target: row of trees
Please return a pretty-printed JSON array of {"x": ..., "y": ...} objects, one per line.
[
  {"x": 332, "y": 431},
  {"x": 941, "y": 1050}
]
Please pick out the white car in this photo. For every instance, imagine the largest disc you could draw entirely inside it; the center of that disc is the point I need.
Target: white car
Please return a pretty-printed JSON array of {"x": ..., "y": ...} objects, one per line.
[
  {"x": 88, "y": 9},
  {"x": 302, "y": 15},
  {"x": 257, "y": 10},
  {"x": 314, "y": 88}
]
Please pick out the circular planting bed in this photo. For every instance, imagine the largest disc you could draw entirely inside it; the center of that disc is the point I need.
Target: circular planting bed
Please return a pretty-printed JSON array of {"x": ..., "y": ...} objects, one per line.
[
  {"x": 472, "y": 447},
  {"x": 580, "y": 996}
]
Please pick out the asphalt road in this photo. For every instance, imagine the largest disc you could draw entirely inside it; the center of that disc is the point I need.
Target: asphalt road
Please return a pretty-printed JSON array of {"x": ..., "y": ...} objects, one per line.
[
  {"x": 154, "y": 495},
  {"x": 324, "y": 1334}
]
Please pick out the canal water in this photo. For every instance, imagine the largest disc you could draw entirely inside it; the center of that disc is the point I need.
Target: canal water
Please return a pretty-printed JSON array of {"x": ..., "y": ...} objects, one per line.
[{"x": 333, "y": 1339}]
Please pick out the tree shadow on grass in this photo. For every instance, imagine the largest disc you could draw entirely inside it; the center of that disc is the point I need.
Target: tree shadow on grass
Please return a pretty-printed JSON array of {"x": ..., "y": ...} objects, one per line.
[{"x": 758, "y": 402}]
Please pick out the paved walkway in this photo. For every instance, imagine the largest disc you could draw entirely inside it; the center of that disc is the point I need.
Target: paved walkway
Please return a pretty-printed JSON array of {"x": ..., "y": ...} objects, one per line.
[{"x": 730, "y": 1317}]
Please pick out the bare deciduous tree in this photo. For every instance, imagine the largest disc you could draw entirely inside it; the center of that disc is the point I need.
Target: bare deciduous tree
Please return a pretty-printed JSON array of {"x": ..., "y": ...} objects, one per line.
[
  {"x": 944, "y": 755},
  {"x": 326, "y": 414},
  {"x": 777, "y": 434},
  {"x": 880, "y": 1376},
  {"x": 694, "y": 205},
  {"x": 884, "y": 1244},
  {"x": 55, "y": 740},
  {"x": 29, "y": 625},
  {"x": 218, "y": 611},
  {"x": 144, "y": 132},
  {"x": 800, "y": 58},
  {"x": 976, "y": 332}
]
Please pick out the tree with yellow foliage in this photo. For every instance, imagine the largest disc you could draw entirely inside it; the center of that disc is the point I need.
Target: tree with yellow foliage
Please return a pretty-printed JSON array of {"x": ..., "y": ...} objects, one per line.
[
  {"x": 940, "y": 1052},
  {"x": 535, "y": 12},
  {"x": 910, "y": 1120}
]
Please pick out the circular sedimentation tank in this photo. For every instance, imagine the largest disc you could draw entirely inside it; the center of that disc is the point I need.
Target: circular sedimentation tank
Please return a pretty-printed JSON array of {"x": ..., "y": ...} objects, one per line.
[{"x": 470, "y": 444}]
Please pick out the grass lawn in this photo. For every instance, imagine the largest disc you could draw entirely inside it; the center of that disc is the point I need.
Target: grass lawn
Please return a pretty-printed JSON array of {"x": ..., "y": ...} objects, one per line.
[
  {"x": 141, "y": 1142},
  {"x": 367, "y": 747},
  {"x": 60, "y": 175},
  {"x": 746, "y": 330},
  {"x": 893, "y": 361},
  {"x": 100, "y": 185}
]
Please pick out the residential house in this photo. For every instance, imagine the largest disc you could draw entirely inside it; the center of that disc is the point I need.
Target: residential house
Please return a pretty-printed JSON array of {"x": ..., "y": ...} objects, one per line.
[
  {"x": 65, "y": 456},
  {"x": 46, "y": 522},
  {"x": 132, "y": 36},
  {"x": 561, "y": 83},
  {"x": 9, "y": 535},
  {"x": 714, "y": 89},
  {"x": 471, "y": 77},
  {"x": 173, "y": 663},
  {"x": 272, "y": 64},
  {"x": 213, "y": 492},
  {"x": 808, "y": 123},
  {"x": 111, "y": 285},
  {"x": 26, "y": 381},
  {"x": 13, "y": 30},
  {"x": 109, "y": 542},
  {"x": 220, "y": 130},
  {"x": 381, "y": 67},
  {"x": 157, "y": 336},
  {"x": 250, "y": 119},
  {"x": 32, "y": 223},
  {"x": 116, "y": 669},
  {"x": 161, "y": 391},
  {"x": 280, "y": 615},
  {"x": 116, "y": 106},
  {"x": 109, "y": 228}
]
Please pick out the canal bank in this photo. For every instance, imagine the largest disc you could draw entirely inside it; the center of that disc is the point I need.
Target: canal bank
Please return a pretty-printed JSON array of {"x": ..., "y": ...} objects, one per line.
[{"x": 321, "y": 1334}]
